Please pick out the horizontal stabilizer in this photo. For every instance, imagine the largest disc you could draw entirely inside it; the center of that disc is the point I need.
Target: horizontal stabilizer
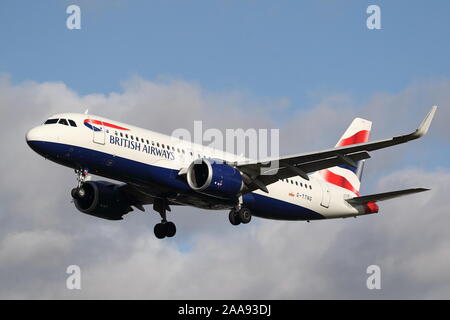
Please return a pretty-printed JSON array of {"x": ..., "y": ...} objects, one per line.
[{"x": 384, "y": 196}]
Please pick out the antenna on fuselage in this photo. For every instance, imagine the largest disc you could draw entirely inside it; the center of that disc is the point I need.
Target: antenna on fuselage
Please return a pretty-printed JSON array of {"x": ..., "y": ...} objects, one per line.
[{"x": 86, "y": 112}]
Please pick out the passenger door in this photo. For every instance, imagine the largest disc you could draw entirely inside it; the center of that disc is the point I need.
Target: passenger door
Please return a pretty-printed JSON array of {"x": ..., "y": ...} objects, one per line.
[
  {"x": 98, "y": 131},
  {"x": 326, "y": 194}
]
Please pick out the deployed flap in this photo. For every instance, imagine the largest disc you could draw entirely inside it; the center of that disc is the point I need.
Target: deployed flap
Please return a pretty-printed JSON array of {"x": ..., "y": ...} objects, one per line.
[{"x": 384, "y": 196}]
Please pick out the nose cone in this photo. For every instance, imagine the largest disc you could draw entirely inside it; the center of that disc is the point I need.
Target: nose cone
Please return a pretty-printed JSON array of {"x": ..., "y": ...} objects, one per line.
[
  {"x": 35, "y": 139},
  {"x": 33, "y": 135}
]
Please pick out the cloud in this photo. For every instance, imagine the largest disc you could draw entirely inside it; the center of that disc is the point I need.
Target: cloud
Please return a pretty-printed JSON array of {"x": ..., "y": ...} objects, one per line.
[{"x": 41, "y": 233}]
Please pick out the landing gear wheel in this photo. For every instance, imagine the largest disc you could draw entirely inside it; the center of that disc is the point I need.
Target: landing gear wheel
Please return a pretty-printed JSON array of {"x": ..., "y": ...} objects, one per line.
[
  {"x": 233, "y": 216},
  {"x": 171, "y": 229},
  {"x": 74, "y": 193},
  {"x": 245, "y": 215},
  {"x": 160, "y": 230},
  {"x": 78, "y": 193},
  {"x": 165, "y": 229}
]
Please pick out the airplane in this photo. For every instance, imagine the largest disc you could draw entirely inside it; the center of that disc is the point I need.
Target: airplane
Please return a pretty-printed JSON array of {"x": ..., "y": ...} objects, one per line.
[{"x": 160, "y": 170}]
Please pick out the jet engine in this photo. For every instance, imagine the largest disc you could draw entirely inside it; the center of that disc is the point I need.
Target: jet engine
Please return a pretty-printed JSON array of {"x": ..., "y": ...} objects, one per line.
[
  {"x": 214, "y": 178},
  {"x": 101, "y": 199}
]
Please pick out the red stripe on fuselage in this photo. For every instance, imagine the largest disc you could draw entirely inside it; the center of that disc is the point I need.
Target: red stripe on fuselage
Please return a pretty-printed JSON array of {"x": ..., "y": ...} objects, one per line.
[
  {"x": 369, "y": 207},
  {"x": 106, "y": 124},
  {"x": 359, "y": 137},
  {"x": 338, "y": 180}
]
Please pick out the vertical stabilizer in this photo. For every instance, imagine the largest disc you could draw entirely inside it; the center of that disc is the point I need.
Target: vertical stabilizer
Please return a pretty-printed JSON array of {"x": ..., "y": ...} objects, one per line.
[{"x": 346, "y": 176}]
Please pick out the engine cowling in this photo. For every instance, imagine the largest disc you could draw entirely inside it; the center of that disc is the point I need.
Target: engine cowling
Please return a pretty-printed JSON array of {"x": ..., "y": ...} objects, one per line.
[
  {"x": 101, "y": 199},
  {"x": 214, "y": 178}
]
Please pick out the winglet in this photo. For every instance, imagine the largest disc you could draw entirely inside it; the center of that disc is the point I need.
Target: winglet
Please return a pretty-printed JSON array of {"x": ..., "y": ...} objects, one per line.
[{"x": 425, "y": 125}]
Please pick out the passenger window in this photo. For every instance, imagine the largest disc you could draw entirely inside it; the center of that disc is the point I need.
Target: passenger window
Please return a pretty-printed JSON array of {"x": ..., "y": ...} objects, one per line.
[
  {"x": 292, "y": 182},
  {"x": 115, "y": 132},
  {"x": 131, "y": 137},
  {"x": 162, "y": 145},
  {"x": 121, "y": 134},
  {"x": 183, "y": 151},
  {"x": 72, "y": 123},
  {"x": 310, "y": 187},
  {"x": 126, "y": 136},
  {"x": 142, "y": 140},
  {"x": 157, "y": 144},
  {"x": 146, "y": 141},
  {"x": 296, "y": 183},
  {"x": 63, "y": 121},
  {"x": 168, "y": 148}
]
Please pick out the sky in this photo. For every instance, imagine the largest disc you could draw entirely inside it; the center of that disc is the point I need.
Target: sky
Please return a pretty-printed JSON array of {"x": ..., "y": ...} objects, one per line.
[{"x": 305, "y": 67}]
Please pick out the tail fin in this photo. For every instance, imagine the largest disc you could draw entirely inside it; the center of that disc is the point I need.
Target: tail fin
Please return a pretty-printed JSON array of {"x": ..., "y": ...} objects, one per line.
[
  {"x": 344, "y": 175},
  {"x": 357, "y": 132}
]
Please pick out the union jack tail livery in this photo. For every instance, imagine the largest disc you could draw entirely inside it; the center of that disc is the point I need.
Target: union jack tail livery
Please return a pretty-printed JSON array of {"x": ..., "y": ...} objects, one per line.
[{"x": 346, "y": 175}]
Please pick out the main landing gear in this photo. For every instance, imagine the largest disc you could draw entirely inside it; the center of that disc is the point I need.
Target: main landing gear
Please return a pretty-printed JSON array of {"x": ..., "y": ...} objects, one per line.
[
  {"x": 243, "y": 215},
  {"x": 165, "y": 228}
]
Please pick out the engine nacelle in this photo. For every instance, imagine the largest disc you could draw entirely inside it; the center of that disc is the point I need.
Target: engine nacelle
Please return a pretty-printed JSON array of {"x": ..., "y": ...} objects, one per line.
[
  {"x": 101, "y": 199},
  {"x": 215, "y": 179}
]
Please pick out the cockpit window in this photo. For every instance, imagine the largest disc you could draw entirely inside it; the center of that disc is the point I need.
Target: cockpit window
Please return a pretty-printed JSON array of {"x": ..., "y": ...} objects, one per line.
[
  {"x": 63, "y": 121},
  {"x": 51, "y": 121},
  {"x": 72, "y": 123}
]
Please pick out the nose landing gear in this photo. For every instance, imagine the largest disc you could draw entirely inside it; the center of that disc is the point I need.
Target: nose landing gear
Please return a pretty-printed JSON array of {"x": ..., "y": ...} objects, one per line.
[{"x": 79, "y": 192}]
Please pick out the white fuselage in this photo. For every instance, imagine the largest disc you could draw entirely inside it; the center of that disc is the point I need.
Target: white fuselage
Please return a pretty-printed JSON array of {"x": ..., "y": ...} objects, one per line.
[{"x": 138, "y": 156}]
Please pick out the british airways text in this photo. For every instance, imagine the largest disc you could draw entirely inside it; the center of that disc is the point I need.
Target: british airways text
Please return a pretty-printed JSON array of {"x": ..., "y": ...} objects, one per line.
[{"x": 134, "y": 145}]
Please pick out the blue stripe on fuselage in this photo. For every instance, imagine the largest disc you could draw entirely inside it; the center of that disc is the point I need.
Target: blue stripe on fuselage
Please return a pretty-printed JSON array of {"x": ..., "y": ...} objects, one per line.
[
  {"x": 126, "y": 170},
  {"x": 271, "y": 208}
]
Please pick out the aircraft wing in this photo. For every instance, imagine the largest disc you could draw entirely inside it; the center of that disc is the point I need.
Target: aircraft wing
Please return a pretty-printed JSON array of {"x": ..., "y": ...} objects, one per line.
[
  {"x": 138, "y": 196},
  {"x": 384, "y": 196},
  {"x": 261, "y": 173}
]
